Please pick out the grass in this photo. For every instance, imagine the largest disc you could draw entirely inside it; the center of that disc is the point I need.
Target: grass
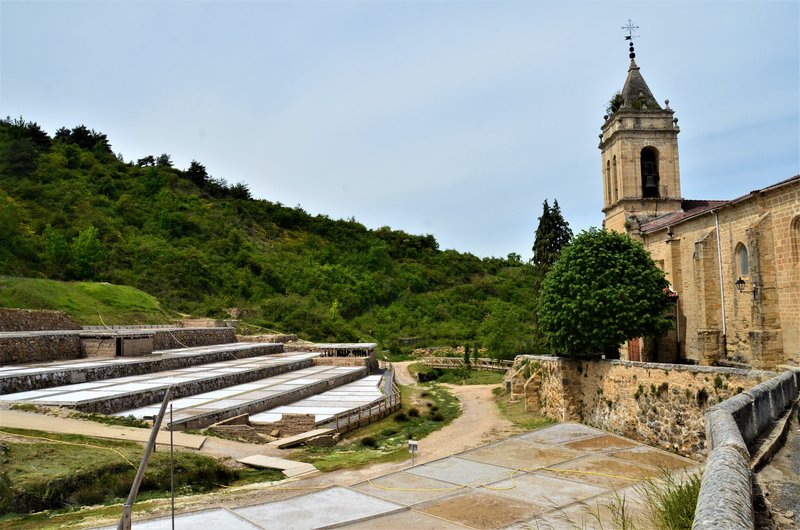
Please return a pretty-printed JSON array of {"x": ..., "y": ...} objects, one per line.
[
  {"x": 59, "y": 472},
  {"x": 457, "y": 377},
  {"x": 88, "y": 303},
  {"x": 515, "y": 412},
  {"x": 387, "y": 438}
]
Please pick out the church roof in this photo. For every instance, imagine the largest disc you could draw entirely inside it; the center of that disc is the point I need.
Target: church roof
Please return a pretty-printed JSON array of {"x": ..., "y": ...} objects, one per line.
[
  {"x": 635, "y": 93},
  {"x": 693, "y": 208}
]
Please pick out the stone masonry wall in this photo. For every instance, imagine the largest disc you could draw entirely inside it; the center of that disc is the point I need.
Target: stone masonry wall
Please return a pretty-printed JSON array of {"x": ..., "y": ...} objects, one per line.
[
  {"x": 658, "y": 404},
  {"x": 35, "y": 320},
  {"x": 22, "y": 348},
  {"x": 189, "y": 337}
]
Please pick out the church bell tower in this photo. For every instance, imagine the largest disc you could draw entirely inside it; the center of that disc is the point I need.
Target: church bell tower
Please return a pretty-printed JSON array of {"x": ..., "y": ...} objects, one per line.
[{"x": 639, "y": 153}]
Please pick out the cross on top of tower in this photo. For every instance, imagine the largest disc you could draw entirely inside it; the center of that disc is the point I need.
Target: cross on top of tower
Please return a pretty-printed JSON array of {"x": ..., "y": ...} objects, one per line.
[{"x": 630, "y": 36}]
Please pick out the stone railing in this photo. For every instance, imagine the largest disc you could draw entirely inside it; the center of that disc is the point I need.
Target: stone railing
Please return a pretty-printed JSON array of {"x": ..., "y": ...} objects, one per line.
[{"x": 733, "y": 428}]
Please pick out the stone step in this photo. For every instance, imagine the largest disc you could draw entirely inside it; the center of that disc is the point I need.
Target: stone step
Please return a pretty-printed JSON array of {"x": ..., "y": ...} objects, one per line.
[
  {"x": 290, "y": 468},
  {"x": 297, "y": 439}
]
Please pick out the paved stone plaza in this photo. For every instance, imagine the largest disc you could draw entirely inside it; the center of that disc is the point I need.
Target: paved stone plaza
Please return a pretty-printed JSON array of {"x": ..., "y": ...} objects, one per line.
[{"x": 563, "y": 476}]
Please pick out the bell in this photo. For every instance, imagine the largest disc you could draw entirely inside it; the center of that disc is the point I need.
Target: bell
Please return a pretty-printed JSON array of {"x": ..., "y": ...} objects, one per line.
[{"x": 650, "y": 181}]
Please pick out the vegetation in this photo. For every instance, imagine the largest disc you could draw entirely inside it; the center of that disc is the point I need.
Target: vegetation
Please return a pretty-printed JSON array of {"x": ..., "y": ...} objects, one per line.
[
  {"x": 515, "y": 412},
  {"x": 70, "y": 209},
  {"x": 88, "y": 303},
  {"x": 60, "y": 471},
  {"x": 602, "y": 291},
  {"x": 464, "y": 376},
  {"x": 552, "y": 235},
  {"x": 669, "y": 504},
  {"x": 386, "y": 440}
]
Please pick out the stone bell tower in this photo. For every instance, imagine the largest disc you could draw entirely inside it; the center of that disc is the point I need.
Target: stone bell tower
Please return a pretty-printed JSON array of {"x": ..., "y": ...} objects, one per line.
[{"x": 639, "y": 152}]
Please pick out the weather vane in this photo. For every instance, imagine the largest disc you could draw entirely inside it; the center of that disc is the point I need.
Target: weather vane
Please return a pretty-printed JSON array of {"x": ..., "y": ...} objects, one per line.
[{"x": 630, "y": 36}]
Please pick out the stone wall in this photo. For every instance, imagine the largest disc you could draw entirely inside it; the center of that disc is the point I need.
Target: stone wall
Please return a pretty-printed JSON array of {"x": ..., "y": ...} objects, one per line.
[
  {"x": 190, "y": 337},
  {"x": 272, "y": 337},
  {"x": 658, "y": 404},
  {"x": 35, "y": 320},
  {"x": 289, "y": 425},
  {"x": 762, "y": 325},
  {"x": 734, "y": 426},
  {"x": 36, "y": 348}
]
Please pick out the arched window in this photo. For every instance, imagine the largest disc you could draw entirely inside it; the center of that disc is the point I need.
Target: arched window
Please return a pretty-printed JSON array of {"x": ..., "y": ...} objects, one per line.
[
  {"x": 614, "y": 180},
  {"x": 742, "y": 260},
  {"x": 608, "y": 181},
  {"x": 650, "y": 178},
  {"x": 794, "y": 235}
]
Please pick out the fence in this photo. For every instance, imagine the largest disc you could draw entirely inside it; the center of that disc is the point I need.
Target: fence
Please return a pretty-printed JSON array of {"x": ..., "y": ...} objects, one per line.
[
  {"x": 359, "y": 417},
  {"x": 494, "y": 365}
]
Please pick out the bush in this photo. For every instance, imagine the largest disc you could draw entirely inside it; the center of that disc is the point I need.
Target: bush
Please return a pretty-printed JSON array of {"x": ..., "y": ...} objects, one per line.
[
  {"x": 413, "y": 412},
  {"x": 401, "y": 416},
  {"x": 437, "y": 416},
  {"x": 369, "y": 441}
]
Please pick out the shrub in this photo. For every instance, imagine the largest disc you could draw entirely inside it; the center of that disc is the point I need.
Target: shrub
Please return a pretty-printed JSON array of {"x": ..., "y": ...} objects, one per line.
[
  {"x": 369, "y": 441},
  {"x": 413, "y": 412},
  {"x": 401, "y": 416}
]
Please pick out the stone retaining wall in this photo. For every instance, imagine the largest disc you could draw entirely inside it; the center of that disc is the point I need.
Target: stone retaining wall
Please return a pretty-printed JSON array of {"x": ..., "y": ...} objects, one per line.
[
  {"x": 18, "y": 349},
  {"x": 658, "y": 404},
  {"x": 35, "y": 320},
  {"x": 734, "y": 426},
  {"x": 19, "y": 383},
  {"x": 271, "y": 337},
  {"x": 190, "y": 337}
]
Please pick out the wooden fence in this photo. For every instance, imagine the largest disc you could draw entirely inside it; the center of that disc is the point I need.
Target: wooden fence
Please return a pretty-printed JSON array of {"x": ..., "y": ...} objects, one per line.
[
  {"x": 494, "y": 365},
  {"x": 361, "y": 416}
]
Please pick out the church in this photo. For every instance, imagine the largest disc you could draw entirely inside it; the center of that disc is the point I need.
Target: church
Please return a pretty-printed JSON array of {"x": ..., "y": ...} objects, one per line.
[{"x": 733, "y": 265}]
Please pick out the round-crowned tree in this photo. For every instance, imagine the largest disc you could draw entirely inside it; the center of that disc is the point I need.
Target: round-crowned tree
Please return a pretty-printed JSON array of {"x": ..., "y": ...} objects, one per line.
[{"x": 604, "y": 289}]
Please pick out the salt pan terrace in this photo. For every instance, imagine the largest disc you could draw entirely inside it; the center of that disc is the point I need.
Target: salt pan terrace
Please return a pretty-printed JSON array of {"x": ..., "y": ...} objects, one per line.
[
  {"x": 14, "y": 378},
  {"x": 326, "y": 405},
  {"x": 261, "y": 394},
  {"x": 105, "y": 395}
]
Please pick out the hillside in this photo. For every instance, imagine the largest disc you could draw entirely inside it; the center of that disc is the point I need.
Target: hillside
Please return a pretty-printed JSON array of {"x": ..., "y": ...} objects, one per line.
[
  {"x": 72, "y": 210},
  {"x": 88, "y": 303}
]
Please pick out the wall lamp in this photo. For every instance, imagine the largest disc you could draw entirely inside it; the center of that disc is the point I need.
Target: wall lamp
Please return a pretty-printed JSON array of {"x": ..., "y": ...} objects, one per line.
[{"x": 740, "y": 285}]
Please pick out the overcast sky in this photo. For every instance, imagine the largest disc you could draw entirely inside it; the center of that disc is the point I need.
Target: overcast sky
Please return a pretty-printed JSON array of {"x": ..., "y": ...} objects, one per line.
[{"x": 449, "y": 118}]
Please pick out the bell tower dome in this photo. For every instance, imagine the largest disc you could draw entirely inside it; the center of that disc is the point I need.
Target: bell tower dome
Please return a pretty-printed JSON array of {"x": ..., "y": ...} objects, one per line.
[{"x": 639, "y": 153}]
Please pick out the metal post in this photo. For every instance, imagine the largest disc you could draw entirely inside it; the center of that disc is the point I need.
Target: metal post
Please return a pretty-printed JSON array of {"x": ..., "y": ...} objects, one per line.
[
  {"x": 127, "y": 509},
  {"x": 171, "y": 468}
]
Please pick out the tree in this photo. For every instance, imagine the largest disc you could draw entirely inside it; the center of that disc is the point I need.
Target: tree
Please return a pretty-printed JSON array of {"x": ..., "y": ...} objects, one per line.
[
  {"x": 87, "y": 253},
  {"x": 603, "y": 290},
  {"x": 197, "y": 173},
  {"x": 56, "y": 250},
  {"x": 552, "y": 234}
]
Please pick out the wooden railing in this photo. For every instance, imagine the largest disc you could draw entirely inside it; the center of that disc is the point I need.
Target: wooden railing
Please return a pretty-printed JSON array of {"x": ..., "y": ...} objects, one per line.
[
  {"x": 495, "y": 365},
  {"x": 361, "y": 416}
]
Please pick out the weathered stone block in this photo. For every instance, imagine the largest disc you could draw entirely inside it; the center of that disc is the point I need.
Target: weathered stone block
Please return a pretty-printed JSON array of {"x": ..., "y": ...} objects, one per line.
[{"x": 726, "y": 495}]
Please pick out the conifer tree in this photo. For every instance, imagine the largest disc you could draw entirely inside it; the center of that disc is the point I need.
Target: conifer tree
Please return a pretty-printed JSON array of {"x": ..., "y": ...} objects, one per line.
[{"x": 552, "y": 234}]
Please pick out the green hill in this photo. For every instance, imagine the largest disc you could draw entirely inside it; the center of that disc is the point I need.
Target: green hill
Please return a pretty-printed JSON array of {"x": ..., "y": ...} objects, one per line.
[
  {"x": 72, "y": 210},
  {"x": 88, "y": 303}
]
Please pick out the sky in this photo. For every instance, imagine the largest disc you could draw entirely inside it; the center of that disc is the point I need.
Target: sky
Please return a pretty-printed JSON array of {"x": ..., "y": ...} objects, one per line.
[{"x": 451, "y": 118}]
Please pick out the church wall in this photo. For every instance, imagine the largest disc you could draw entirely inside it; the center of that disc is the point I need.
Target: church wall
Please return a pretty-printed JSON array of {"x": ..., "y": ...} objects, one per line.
[{"x": 762, "y": 330}]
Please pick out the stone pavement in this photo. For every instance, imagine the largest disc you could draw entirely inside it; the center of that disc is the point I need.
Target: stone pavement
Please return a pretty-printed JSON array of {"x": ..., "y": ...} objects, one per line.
[{"x": 563, "y": 476}]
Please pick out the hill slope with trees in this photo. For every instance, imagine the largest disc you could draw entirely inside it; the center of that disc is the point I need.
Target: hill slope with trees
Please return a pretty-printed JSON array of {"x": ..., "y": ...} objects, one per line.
[{"x": 70, "y": 209}]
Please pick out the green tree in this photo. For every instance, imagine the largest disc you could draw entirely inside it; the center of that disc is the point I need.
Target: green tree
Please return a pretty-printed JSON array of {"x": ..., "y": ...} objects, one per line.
[
  {"x": 552, "y": 234},
  {"x": 56, "y": 251},
  {"x": 87, "y": 253},
  {"x": 603, "y": 290}
]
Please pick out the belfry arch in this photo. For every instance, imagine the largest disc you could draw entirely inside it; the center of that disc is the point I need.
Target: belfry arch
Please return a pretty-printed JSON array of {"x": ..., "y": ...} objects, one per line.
[{"x": 650, "y": 174}]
